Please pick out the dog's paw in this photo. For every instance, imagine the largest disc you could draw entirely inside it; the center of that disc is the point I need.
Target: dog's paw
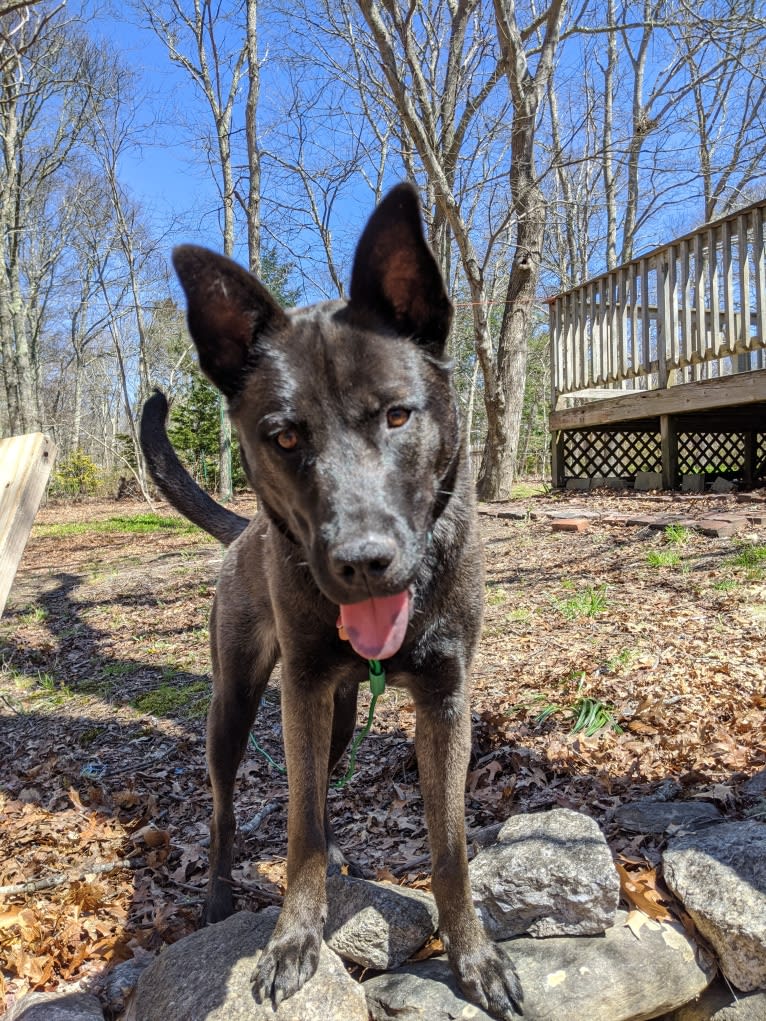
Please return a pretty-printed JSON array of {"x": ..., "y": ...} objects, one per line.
[
  {"x": 488, "y": 978},
  {"x": 287, "y": 963}
]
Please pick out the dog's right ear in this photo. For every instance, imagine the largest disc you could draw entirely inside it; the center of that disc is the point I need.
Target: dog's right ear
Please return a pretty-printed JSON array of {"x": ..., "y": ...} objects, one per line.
[{"x": 227, "y": 310}]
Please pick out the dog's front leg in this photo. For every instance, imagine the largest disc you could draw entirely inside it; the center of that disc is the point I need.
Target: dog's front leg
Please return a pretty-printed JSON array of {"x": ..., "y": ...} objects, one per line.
[
  {"x": 292, "y": 955},
  {"x": 443, "y": 744}
]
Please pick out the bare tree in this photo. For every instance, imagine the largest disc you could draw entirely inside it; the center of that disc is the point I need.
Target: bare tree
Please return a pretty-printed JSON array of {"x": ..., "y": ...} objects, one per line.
[
  {"x": 51, "y": 79},
  {"x": 212, "y": 46}
]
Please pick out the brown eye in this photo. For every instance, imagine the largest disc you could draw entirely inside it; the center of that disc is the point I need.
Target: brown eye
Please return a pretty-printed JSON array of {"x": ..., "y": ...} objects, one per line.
[
  {"x": 287, "y": 439},
  {"x": 397, "y": 417}
]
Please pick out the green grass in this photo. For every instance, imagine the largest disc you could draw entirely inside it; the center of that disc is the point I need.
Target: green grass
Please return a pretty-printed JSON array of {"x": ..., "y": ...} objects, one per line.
[
  {"x": 587, "y": 715},
  {"x": 750, "y": 556},
  {"x": 676, "y": 535},
  {"x": 521, "y": 490},
  {"x": 588, "y": 602},
  {"x": 135, "y": 524},
  {"x": 663, "y": 558},
  {"x": 725, "y": 585},
  {"x": 171, "y": 700},
  {"x": 495, "y": 595}
]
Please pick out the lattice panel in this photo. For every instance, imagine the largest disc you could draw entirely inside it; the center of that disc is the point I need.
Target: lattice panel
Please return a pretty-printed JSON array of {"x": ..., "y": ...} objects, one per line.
[
  {"x": 611, "y": 454},
  {"x": 712, "y": 453},
  {"x": 760, "y": 458}
]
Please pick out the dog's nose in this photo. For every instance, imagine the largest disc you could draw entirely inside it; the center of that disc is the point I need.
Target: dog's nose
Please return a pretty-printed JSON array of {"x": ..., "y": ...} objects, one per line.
[{"x": 369, "y": 557}]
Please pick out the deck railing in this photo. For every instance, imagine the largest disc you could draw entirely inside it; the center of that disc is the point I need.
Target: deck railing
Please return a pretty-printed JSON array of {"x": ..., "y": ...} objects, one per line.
[{"x": 693, "y": 309}]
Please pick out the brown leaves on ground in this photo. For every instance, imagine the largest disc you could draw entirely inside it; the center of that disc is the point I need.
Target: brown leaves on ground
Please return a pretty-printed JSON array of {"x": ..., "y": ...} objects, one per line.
[{"x": 104, "y": 685}]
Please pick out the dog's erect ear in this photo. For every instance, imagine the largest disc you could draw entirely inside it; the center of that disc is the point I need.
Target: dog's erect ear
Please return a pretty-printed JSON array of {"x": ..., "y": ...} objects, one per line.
[
  {"x": 395, "y": 275},
  {"x": 227, "y": 309}
]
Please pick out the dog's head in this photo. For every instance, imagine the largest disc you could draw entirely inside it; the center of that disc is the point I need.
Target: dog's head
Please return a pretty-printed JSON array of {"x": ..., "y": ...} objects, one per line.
[{"x": 344, "y": 410}]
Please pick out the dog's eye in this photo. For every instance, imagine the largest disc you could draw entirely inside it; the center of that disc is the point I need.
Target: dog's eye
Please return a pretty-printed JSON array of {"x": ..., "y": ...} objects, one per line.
[
  {"x": 397, "y": 417},
  {"x": 287, "y": 439}
]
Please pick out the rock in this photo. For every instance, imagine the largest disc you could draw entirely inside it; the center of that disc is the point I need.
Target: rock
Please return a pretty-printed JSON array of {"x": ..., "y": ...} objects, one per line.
[
  {"x": 614, "y": 977},
  {"x": 550, "y": 874},
  {"x": 720, "y": 876},
  {"x": 755, "y": 787},
  {"x": 207, "y": 975},
  {"x": 579, "y": 485},
  {"x": 58, "y": 1006},
  {"x": 651, "y": 816},
  {"x": 718, "y": 1003},
  {"x": 116, "y": 985},
  {"x": 694, "y": 483},
  {"x": 722, "y": 485},
  {"x": 377, "y": 925},
  {"x": 646, "y": 481}
]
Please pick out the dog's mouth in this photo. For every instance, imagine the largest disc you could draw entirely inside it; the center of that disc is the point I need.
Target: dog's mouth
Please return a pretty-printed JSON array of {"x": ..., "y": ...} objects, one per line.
[{"x": 376, "y": 627}]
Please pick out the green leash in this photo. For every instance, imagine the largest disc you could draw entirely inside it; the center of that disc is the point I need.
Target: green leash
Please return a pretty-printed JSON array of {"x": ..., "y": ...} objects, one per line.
[{"x": 377, "y": 679}]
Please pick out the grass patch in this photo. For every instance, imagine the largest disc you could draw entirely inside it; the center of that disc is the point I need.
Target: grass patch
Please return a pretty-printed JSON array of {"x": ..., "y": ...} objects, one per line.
[
  {"x": 725, "y": 585},
  {"x": 676, "y": 535},
  {"x": 521, "y": 490},
  {"x": 587, "y": 715},
  {"x": 588, "y": 602},
  {"x": 495, "y": 595},
  {"x": 170, "y": 700},
  {"x": 750, "y": 557},
  {"x": 130, "y": 524},
  {"x": 663, "y": 558}
]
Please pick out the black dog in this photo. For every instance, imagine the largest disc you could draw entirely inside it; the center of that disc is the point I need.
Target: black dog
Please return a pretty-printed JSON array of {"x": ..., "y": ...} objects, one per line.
[{"x": 349, "y": 432}]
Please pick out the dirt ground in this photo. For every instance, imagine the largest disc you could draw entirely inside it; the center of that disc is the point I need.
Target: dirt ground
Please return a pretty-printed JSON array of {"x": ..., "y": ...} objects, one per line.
[{"x": 658, "y": 637}]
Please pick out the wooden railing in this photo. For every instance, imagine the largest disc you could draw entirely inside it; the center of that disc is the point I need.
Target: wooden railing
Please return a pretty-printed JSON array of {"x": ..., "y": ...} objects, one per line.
[{"x": 693, "y": 309}]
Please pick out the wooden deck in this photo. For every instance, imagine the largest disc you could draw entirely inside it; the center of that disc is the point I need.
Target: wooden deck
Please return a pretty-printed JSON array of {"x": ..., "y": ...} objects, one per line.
[{"x": 660, "y": 365}]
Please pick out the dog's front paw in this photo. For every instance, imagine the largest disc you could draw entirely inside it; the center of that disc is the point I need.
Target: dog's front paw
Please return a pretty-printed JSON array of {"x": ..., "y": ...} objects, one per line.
[
  {"x": 287, "y": 963},
  {"x": 488, "y": 978}
]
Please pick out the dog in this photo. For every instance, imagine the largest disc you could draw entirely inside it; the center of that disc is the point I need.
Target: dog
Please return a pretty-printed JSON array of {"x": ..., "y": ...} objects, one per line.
[{"x": 350, "y": 437}]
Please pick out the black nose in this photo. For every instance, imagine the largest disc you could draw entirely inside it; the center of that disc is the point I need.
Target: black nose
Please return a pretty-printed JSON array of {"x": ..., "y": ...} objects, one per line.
[{"x": 366, "y": 558}]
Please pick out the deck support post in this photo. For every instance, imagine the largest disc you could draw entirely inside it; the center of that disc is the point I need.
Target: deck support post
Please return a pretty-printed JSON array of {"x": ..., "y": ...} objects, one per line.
[
  {"x": 557, "y": 459},
  {"x": 669, "y": 441}
]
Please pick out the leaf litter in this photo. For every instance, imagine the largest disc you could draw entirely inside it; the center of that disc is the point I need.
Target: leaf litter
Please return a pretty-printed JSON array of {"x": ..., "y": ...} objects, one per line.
[{"x": 104, "y": 682}]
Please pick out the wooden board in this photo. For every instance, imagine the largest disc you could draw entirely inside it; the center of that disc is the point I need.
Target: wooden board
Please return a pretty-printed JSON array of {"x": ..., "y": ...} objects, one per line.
[
  {"x": 727, "y": 391},
  {"x": 25, "y": 464}
]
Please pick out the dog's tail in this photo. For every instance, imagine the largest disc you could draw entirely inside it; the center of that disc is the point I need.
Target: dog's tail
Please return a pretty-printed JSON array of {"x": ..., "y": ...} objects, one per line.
[{"x": 174, "y": 481}]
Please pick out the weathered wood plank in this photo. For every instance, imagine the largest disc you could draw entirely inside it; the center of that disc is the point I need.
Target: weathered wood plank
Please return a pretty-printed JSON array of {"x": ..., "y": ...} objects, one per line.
[
  {"x": 740, "y": 389},
  {"x": 716, "y": 340},
  {"x": 759, "y": 272},
  {"x": 687, "y": 342},
  {"x": 25, "y": 464},
  {"x": 742, "y": 340}
]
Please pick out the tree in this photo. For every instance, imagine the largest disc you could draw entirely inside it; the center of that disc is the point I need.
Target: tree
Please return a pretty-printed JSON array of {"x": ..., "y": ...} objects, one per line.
[
  {"x": 207, "y": 41},
  {"x": 51, "y": 79}
]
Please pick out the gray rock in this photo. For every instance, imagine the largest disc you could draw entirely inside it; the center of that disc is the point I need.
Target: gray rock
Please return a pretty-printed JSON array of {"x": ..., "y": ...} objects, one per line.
[
  {"x": 579, "y": 485},
  {"x": 207, "y": 975},
  {"x": 58, "y": 1006},
  {"x": 719, "y": 874},
  {"x": 719, "y": 1003},
  {"x": 117, "y": 984},
  {"x": 650, "y": 816},
  {"x": 722, "y": 485},
  {"x": 694, "y": 483},
  {"x": 646, "y": 481},
  {"x": 755, "y": 787},
  {"x": 377, "y": 925},
  {"x": 550, "y": 874},
  {"x": 614, "y": 977}
]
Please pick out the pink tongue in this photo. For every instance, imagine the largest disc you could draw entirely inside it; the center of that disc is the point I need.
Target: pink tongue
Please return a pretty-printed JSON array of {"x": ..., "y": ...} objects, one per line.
[{"x": 376, "y": 627}]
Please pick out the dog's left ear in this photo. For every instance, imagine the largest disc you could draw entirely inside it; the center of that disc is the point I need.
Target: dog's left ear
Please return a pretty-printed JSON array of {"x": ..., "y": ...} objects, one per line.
[{"x": 395, "y": 275}]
